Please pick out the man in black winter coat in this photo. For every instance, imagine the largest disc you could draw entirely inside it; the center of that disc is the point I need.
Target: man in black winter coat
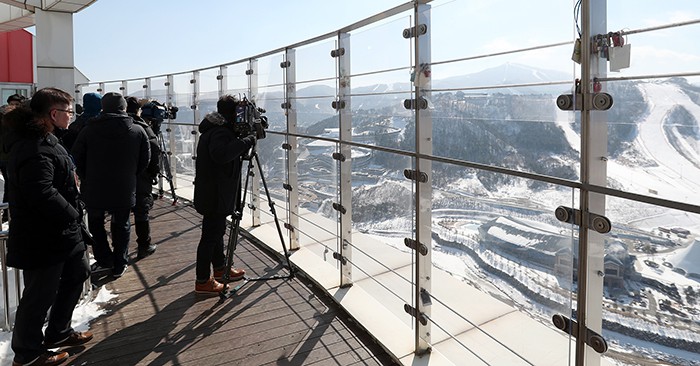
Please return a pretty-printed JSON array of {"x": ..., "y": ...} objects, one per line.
[
  {"x": 92, "y": 104},
  {"x": 144, "y": 183},
  {"x": 45, "y": 238},
  {"x": 217, "y": 184},
  {"x": 110, "y": 152}
]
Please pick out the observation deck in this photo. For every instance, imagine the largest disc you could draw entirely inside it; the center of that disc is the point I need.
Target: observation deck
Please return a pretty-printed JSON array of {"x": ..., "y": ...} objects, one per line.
[
  {"x": 156, "y": 319},
  {"x": 431, "y": 186}
]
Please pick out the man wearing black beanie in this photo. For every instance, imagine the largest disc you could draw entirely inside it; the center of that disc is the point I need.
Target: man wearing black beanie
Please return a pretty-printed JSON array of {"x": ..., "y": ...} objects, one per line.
[{"x": 110, "y": 151}]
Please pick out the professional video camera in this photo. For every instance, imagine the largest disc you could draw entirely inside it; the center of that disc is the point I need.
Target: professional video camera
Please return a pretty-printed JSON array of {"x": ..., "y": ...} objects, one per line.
[
  {"x": 156, "y": 113},
  {"x": 249, "y": 119}
]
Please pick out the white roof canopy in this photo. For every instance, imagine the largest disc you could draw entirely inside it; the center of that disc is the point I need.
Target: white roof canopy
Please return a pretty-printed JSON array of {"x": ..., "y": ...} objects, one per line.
[{"x": 16, "y": 14}]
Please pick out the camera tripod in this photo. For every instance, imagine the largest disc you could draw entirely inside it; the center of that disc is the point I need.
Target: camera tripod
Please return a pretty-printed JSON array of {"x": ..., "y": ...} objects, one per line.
[
  {"x": 252, "y": 158},
  {"x": 165, "y": 172}
]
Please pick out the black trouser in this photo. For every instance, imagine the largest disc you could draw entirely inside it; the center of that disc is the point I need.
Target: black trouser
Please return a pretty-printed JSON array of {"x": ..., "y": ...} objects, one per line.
[
  {"x": 211, "y": 245},
  {"x": 143, "y": 228},
  {"x": 120, "y": 228},
  {"x": 58, "y": 287}
]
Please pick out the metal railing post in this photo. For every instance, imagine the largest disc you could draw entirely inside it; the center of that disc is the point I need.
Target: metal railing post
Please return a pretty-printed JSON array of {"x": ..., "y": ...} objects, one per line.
[
  {"x": 344, "y": 106},
  {"x": 5, "y": 283},
  {"x": 255, "y": 181},
  {"x": 593, "y": 171},
  {"x": 290, "y": 90},
  {"x": 423, "y": 199}
]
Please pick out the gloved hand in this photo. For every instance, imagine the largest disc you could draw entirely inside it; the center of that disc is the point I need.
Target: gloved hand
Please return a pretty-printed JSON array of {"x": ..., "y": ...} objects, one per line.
[
  {"x": 250, "y": 140},
  {"x": 259, "y": 130}
]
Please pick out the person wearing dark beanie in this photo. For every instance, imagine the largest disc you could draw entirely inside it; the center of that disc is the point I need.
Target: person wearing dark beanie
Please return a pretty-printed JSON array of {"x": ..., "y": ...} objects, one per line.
[
  {"x": 113, "y": 103},
  {"x": 119, "y": 151},
  {"x": 92, "y": 104}
]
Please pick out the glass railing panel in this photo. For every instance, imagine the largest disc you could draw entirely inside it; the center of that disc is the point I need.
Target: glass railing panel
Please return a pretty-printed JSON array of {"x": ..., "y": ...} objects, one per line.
[
  {"x": 271, "y": 90},
  {"x": 208, "y": 91},
  {"x": 381, "y": 120},
  {"x": 113, "y": 87},
  {"x": 89, "y": 88},
  {"x": 653, "y": 139},
  {"x": 500, "y": 258},
  {"x": 272, "y": 164},
  {"x": 236, "y": 79},
  {"x": 159, "y": 91},
  {"x": 316, "y": 117},
  {"x": 651, "y": 298},
  {"x": 314, "y": 63},
  {"x": 521, "y": 130},
  {"x": 208, "y": 84},
  {"x": 381, "y": 47},
  {"x": 135, "y": 88},
  {"x": 382, "y": 218},
  {"x": 467, "y": 29},
  {"x": 183, "y": 90},
  {"x": 318, "y": 190},
  {"x": 183, "y": 130}
]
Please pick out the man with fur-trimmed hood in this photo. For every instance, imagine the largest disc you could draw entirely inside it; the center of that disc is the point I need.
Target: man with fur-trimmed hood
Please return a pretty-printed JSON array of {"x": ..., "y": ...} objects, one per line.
[
  {"x": 45, "y": 239},
  {"x": 216, "y": 186}
]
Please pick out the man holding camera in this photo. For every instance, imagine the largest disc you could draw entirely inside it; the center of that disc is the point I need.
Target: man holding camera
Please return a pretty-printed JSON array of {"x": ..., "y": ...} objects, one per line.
[
  {"x": 144, "y": 184},
  {"x": 217, "y": 188}
]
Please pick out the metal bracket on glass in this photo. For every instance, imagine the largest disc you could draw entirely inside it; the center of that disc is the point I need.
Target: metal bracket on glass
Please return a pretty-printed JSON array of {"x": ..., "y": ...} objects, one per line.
[
  {"x": 286, "y": 146},
  {"x": 595, "y": 101},
  {"x": 425, "y": 297},
  {"x": 593, "y": 339},
  {"x": 411, "y": 174},
  {"x": 289, "y": 226},
  {"x": 287, "y": 187},
  {"x": 338, "y": 207},
  {"x": 338, "y": 104},
  {"x": 192, "y": 81},
  {"x": 286, "y": 105},
  {"x": 340, "y": 258},
  {"x": 596, "y": 222},
  {"x": 411, "y": 32},
  {"x": 337, "y": 53},
  {"x": 219, "y": 77},
  {"x": 420, "y": 103},
  {"x": 249, "y": 72},
  {"x": 285, "y": 64},
  {"x": 414, "y": 313},
  {"x": 121, "y": 88},
  {"x": 338, "y": 156},
  {"x": 145, "y": 86},
  {"x": 420, "y": 247}
]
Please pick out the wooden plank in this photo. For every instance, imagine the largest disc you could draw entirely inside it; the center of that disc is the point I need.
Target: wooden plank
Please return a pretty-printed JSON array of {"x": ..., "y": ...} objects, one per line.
[{"x": 158, "y": 320}]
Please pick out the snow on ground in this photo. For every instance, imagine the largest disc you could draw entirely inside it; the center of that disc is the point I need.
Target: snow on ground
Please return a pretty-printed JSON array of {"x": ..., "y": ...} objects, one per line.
[{"x": 82, "y": 315}]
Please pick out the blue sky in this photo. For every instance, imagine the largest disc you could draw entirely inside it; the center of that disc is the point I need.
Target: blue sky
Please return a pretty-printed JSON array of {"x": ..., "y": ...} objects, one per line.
[{"x": 124, "y": 39}]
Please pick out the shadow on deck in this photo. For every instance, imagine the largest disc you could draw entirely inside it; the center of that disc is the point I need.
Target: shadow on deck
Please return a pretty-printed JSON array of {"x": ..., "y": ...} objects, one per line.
[{"x": 158, "y": 320}]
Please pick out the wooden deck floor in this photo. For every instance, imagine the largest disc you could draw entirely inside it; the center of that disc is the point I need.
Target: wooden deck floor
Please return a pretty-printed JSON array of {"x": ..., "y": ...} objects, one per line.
[{"x": 158, "y": 320}]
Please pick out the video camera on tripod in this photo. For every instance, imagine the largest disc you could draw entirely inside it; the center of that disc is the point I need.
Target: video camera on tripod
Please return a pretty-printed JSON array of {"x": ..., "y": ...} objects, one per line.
[
  {"x": 156, "y": 113},
  {"x": 249, "y": 119}
]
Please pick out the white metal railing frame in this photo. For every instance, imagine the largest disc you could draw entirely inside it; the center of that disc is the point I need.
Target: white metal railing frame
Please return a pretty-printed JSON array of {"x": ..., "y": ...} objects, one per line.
[{"x": 590, "y": 189}]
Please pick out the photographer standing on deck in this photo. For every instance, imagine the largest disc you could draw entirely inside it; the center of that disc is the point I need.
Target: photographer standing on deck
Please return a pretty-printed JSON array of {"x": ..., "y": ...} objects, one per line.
[
  {"x": 45, "y": 239},
  {"x": 217, "y": 185},
  {"x": 144, "y": 184},
  {"x": 110, "y": 151}
]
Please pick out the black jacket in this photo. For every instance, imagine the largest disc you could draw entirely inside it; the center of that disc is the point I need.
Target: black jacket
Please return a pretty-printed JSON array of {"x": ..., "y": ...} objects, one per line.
[
  {"x": 218, "y": 166},
  {"x": 144, "y": 181},
  {"x": 109, "y": 153},
  {"x": 44, "y": 229},
  {"x": 69, "y": 136}
]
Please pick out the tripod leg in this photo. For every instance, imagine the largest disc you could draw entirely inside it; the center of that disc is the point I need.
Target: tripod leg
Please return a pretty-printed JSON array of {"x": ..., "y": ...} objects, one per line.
[
  {"x": 165, "y": 171},
  {"x": 234, "y": 233},
  {"x": 274, "y": 214}
]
